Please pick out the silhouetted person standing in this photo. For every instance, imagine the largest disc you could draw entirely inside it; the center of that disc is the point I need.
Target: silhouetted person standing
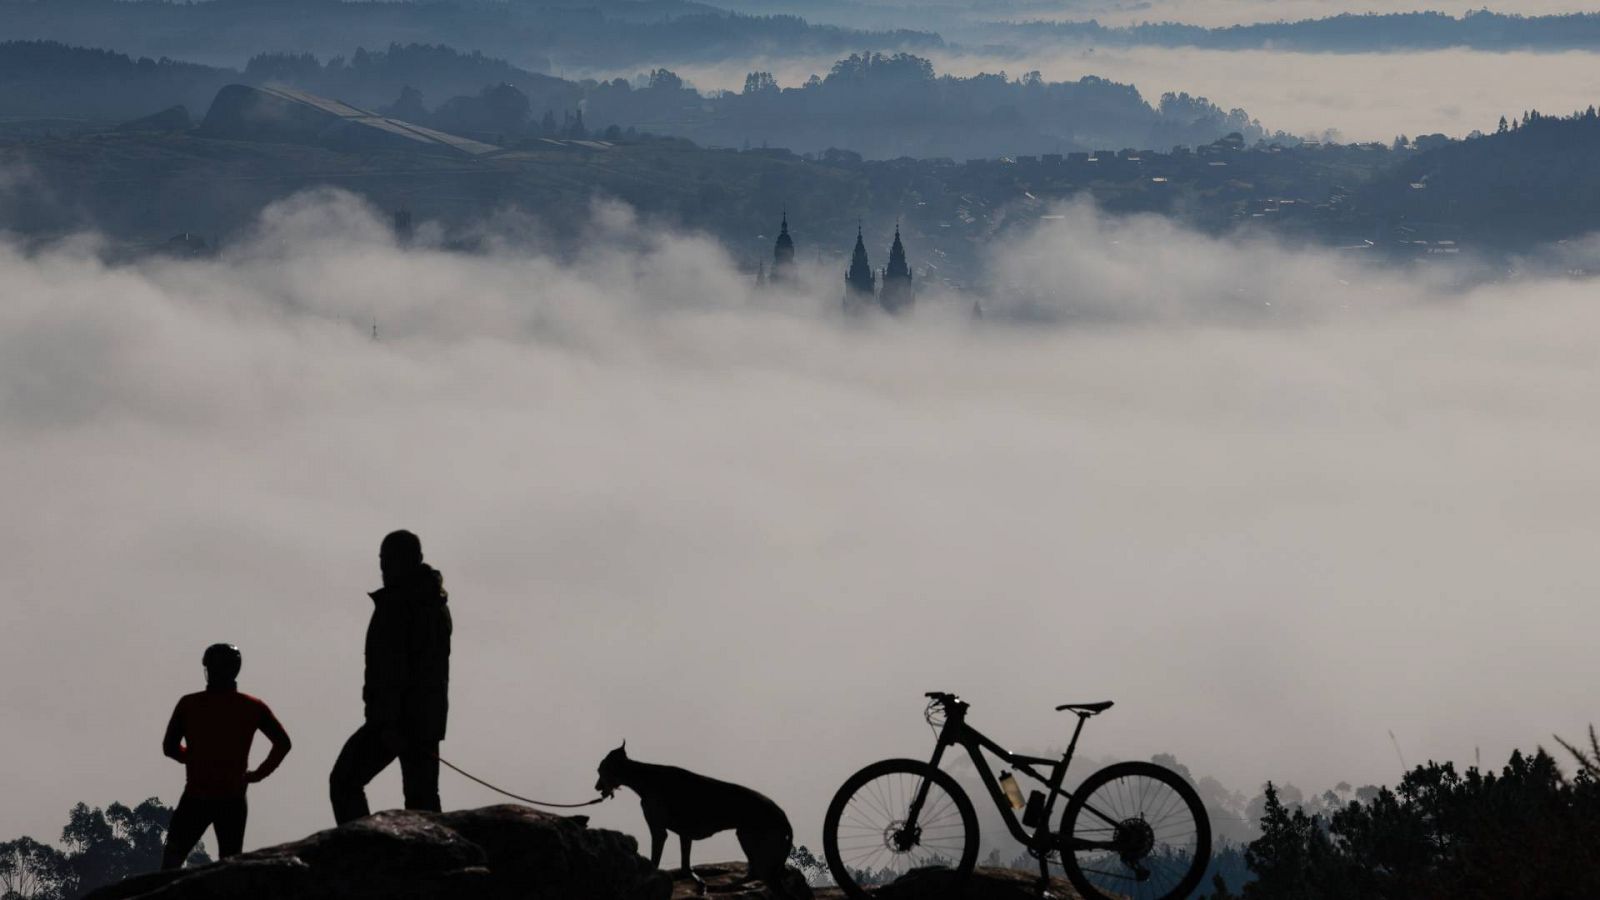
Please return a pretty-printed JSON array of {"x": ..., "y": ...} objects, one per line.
[
  {"x": 407, "y": 684},
  {"x": 210, "y": 733}
]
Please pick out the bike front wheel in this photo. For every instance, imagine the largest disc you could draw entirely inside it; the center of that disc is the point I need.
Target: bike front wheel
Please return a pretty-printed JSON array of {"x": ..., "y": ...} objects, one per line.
[
  {"x": 870, "y": 835},
  {"x": 1135, "y": 830}
]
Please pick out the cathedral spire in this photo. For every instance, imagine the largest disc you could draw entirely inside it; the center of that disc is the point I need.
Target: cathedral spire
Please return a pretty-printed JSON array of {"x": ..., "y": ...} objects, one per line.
[
  {"x": 859, "y": 283},
  {"x": 898, "y": 292},
  {"x": 783, "y": 253},
  {"x": 897, "y": 258}
]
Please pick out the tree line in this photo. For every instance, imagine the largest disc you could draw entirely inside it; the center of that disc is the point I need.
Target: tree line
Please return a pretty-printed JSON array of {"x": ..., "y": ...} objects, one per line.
[
  {"x": 1529, "y": 830},
  {"x": 98, "y": 847},
  {"x": 1531, "y": 181}
]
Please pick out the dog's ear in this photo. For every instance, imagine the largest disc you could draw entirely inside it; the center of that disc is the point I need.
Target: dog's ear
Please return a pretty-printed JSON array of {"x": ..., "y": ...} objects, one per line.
[{"x": 624, "y": 748}]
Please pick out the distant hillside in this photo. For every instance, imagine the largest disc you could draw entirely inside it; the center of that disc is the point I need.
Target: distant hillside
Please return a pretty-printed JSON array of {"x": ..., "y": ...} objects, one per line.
[
  {"x": 537, "y": 36},
  {"x": 45, "y": 79},
  {"x": 1347, "y": 33},
  {"x": 881, "y": 106},
  {"x": 1537, "y": 181},
  {"x": 143, "y": 188},
  {"x": 888, "y": 106},
  {"x": 1490, "y": 197},
  {"x": 48, "y": 79},
  {"x": 377, "y": 77}
]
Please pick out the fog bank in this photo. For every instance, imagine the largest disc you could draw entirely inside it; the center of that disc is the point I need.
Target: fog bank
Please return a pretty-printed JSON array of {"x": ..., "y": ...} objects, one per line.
[
  {"x": 1221, "y": 13},
  {"x": 1273, "y": 506}
]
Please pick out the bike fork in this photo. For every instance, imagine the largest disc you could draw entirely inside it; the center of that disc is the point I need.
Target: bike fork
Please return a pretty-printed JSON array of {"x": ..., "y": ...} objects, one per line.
[{"x": 922, "y": 789}]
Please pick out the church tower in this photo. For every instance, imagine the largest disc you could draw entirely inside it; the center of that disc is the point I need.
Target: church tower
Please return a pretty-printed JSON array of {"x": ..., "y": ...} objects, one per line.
[
  {"x": 783, "y": 255},
  {"x": 859, "y": 283},
  {"x": 404, "y": 231},
  {"x": 899, "y": 294}
]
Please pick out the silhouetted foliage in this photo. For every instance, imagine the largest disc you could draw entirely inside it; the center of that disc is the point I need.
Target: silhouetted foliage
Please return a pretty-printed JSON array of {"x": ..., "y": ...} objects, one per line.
[
  {"x": 812, "y": 866},
  {"x": 500, "y": 109},
  {"x": 1588, "y": 759},
  {"x": 1219, "y": 889},
  {"x": 1524, "y": 832},
  {"x": 30, "y": 870},
  {"x": 101, "y": 846}
]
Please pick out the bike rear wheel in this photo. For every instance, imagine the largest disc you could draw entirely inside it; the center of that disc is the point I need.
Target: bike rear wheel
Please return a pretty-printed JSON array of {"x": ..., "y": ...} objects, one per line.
[
  {"x": 868, "y": 837},
  {"x": 1155, "y": 825}
]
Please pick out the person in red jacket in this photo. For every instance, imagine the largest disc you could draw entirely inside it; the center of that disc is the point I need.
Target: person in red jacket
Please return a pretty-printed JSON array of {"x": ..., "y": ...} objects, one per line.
[{"x": 210, "y": 733}]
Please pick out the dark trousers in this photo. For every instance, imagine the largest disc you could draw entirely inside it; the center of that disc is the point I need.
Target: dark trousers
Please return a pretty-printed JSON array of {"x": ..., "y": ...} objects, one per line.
[
  {"x": 364, "y": 756},
  {"x": 191, "y": 819}
]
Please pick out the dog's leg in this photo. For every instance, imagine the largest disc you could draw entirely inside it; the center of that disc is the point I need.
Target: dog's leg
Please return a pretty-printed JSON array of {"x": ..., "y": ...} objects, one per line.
[
  {"x": 767, "y": 855},
  {"x": 658, "y": 843},
  {"x": 688, "y": 871},
  {"x": 754, "y": 859}
]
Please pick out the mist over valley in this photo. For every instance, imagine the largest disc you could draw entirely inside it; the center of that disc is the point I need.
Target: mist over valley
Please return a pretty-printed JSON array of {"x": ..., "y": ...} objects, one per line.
[{"x": 747, "y": 372}]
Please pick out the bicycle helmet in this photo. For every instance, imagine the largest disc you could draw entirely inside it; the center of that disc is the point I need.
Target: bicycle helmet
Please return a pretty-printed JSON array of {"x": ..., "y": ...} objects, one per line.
[{"x": 223, "y": 661}]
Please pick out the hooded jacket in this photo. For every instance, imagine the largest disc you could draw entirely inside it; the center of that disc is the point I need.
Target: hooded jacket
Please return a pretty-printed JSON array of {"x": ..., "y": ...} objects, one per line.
[{"x": 408, "y": 658}]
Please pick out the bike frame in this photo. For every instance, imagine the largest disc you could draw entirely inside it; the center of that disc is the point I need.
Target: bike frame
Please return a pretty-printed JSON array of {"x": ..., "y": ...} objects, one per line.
[{"x": 957, "y": 733}]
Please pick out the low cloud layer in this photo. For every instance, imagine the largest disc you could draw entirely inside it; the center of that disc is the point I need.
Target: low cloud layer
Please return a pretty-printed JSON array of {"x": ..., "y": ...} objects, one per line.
[
  {"x": 1219, "y": 13},
  {"x": 1364, "y": 96},
  {"x": 1272, "y": 505}
]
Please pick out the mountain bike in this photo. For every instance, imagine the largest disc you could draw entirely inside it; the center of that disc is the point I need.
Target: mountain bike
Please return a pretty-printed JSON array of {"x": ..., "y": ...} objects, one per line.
[{"x": 1131, "y": 830}]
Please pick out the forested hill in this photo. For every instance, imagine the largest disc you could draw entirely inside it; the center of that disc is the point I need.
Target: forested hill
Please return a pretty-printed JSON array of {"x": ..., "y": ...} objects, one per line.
[
  {"x": 1534, "y": 180},
  {"x": 876, "y": 105},
  {"x": 889, "y": 106},
  {"x": 47, "y": 79},
  {"x": 536, "y": 36},
  {"x": 1346, "y": 33}
]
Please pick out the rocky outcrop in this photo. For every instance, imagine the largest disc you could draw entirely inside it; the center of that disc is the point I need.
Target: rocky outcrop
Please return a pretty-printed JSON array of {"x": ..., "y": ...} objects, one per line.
[
  {"x": 726, "y": 881},
  {"x": 508, "y": 853},
  {"x": 983, "y": 884},
  {"x": 495, "y": 853},
  {"x": 723, "y": 883}
]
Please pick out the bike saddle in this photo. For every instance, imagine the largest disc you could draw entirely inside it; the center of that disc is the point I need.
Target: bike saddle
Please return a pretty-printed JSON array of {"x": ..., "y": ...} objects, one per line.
[{"x": 1087, "y": 709}]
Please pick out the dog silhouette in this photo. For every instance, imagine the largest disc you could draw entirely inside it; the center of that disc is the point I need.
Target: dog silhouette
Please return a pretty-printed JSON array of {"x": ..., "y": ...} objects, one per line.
[{"x": 696, "y": 807}]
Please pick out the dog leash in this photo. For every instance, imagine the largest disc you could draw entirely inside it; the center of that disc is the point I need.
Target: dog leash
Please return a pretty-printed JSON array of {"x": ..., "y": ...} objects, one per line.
[{"x": 507, "y": 793}]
